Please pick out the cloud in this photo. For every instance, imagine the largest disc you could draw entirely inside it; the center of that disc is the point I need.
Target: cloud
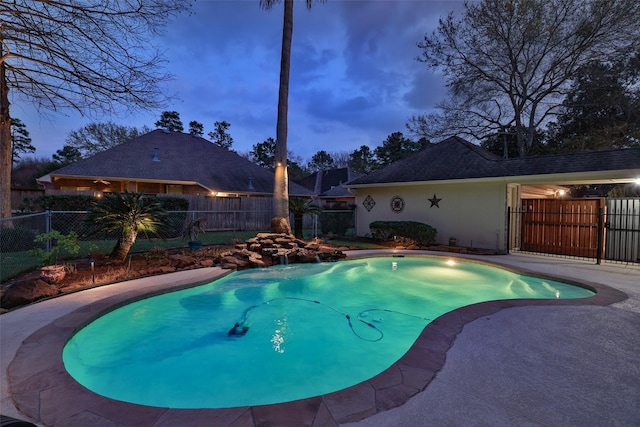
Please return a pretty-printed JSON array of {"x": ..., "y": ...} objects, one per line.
[{"x": 354, "y": 78}]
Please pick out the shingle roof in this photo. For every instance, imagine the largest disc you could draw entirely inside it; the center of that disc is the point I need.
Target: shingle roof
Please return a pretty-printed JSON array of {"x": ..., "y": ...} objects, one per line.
[
  {"x": 455, "y": 158},
  {"x": 328, "y": 182},
  {"x": 182, "y": 158}
]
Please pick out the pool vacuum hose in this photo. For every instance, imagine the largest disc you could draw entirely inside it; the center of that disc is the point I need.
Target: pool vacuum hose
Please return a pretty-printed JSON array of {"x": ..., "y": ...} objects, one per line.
[{"x": 241, "y": 327}]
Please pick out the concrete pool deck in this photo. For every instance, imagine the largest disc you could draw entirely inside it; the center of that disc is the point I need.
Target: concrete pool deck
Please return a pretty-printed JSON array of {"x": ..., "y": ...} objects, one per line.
[{"x": 556, "y": 362}]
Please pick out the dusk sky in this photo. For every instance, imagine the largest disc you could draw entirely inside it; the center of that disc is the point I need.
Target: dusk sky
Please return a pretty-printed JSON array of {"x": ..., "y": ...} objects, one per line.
[{"x": 354, "y": 76}]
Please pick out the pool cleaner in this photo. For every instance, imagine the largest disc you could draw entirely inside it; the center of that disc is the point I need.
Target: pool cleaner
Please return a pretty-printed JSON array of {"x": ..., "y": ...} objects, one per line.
[{"x": 239, "y": 329}]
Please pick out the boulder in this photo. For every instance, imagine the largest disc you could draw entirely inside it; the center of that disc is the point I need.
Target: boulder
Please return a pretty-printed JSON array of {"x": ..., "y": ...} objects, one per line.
[
  {"x": 182, "y": 261},
  {"x": 206, "y": 263},
  {"x": 26, "y": 292}
]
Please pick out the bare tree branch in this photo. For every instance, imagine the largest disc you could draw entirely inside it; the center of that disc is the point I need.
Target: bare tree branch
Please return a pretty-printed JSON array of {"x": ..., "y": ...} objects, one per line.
[
  {"x": 90, "y": 56},
  {"x": 510, "y": 64}
]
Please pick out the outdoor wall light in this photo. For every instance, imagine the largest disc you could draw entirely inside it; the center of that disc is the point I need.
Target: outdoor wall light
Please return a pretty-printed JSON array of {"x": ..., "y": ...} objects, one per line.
[{"x": 638, "y": 181}]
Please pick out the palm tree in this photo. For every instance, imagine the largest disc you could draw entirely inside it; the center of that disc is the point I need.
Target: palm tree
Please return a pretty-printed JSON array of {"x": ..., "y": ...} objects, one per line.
[
  {"x": 280, "y": 218},
  {"x": 127, "y": 214},
  {"x": 300, "y": 207}
]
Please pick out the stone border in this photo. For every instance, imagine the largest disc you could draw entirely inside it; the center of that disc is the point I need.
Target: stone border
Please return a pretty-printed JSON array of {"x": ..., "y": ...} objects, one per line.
[{"x": 42, "y": 389}]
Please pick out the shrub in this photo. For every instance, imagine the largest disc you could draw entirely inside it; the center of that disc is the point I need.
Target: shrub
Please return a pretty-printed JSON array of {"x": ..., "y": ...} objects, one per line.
[
  {"x": 336, "y": 221},
  {"x": 173, "y": 203},
  {"x": 81, "y": 202},
  {"x": 64, "y": 202},
  {"x": 61, "y": 245},
  {"x": 422, "y": 234}
]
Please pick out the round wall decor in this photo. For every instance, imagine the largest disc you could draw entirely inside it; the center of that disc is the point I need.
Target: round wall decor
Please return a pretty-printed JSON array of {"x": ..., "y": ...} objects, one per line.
[{"x": 397, "y": 204}]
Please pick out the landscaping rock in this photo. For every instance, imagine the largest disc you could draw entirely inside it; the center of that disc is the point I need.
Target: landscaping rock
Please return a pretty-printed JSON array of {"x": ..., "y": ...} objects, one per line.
[
  {"x": 182, "y": 261},
  {"x": 264, "y": 250},
  {"x": 271, "y": 248},
  {"x": 26, "y": 292},
  {"x": 206, "y": 263}
]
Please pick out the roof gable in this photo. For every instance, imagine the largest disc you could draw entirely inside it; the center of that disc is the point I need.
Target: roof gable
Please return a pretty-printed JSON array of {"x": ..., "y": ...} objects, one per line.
[
  {"x": 457, "y": 159},
  {"x": 178, "y": 157},
  {"x": 453, "y": 158},
  {"x": 322, "y": 182}
]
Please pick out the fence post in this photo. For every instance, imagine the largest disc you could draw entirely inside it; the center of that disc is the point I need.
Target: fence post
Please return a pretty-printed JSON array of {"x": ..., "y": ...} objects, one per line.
[
  {"x": 508, "y": 229},
  {"x": 600, "y": 235},
  {"x": 47, "y": 228}
]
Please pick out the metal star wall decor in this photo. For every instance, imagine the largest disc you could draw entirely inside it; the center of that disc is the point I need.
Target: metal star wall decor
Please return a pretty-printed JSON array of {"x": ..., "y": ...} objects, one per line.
[{"x": 434, "y": 201}]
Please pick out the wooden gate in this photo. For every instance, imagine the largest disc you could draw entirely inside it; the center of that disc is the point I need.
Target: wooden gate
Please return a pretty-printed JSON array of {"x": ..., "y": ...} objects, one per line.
[{"x": 561, "y": 226}]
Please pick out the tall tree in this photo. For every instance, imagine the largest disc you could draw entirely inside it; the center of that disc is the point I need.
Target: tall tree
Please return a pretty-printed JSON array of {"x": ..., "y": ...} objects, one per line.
[
  {"x": 67, "y": 155},
  {"x": 602, "y": 110},
  {"x": 362, "y": 160},
  {"x": 170, "y": 121},
  {"x": 397, "y": 147},
  {"x": 510, "y": 63},
  {"x": 21, "y": 142},
  {"x": 264, "y": 154},
  {"x": 340, "y": 159},
  {"x": 220, "y": 136},
  {"x": 96, "y": 137},
  {"x": 87, "y": 56},
  {"x": 26, "y": 172},
  {"x": 280, "y": 218},
  {"x": 321, "y": 161},
  {"x": 196, "y": 128},
  {"x": 295, "y": 167}
]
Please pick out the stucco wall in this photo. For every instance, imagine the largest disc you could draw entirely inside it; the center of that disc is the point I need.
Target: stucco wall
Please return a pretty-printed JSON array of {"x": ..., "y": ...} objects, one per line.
[{"x": 474, "y": 213}]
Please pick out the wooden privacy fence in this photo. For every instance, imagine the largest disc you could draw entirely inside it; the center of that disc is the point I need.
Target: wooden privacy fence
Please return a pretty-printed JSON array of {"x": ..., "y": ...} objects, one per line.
[
  {"x": 590, "y": 228},
  {"x": 561, "y": 226}
]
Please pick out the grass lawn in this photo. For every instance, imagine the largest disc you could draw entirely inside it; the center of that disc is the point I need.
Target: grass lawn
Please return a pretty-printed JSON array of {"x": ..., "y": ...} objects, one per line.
[{"x": 14, "y": 263}]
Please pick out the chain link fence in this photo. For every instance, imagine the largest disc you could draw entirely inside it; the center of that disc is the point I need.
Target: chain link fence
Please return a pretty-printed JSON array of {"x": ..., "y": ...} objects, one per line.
[{"x": 17, "y": 233}]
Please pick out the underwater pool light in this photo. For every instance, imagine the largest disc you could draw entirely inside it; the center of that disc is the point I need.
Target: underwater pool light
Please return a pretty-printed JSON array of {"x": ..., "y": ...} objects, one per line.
[{"x": 451, "y": 262}]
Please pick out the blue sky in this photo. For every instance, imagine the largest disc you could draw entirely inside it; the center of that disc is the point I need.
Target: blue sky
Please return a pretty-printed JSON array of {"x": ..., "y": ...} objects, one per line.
[{"x": 354, "y": 77}]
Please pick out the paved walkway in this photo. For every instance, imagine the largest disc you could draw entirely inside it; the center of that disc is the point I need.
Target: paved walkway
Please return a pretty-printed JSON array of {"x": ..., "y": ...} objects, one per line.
[
  {"x": 539, "y": 366},
  {"x": 560, "y": 363}
]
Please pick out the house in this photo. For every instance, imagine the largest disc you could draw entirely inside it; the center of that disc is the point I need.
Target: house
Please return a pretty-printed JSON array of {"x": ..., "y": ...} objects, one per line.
[
  {"x": 327, "y": 187},
  {"x": 466, "y": 192},
  {"x": 162, "y": 162}
]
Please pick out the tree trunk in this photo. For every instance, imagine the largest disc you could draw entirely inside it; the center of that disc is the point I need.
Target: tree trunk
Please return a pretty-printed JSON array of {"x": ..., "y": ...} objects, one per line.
[
  {"x": 5, "y": 144},
  {"x": 123, "y": 246},
  {"x": 280, "y": 219}
]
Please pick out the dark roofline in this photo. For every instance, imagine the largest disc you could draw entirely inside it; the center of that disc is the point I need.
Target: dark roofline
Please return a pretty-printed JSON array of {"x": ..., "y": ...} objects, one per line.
[{"x": 456, "y": 159}]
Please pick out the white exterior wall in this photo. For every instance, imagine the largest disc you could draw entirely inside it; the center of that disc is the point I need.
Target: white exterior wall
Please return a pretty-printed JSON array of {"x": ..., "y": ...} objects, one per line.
[{"x": 474, "y": 213}]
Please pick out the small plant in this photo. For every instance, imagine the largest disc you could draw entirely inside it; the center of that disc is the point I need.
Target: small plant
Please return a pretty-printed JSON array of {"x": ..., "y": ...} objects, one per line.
[
  {"x": 61, "y": 245},
  {"x": 421, "y": 234},
  {"x": 193, "y": 229},
  {"x": 70, "y": 268}
]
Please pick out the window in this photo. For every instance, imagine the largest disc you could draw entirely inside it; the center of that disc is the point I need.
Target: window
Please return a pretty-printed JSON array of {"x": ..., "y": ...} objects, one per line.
[{"x": 174, "y": 189}]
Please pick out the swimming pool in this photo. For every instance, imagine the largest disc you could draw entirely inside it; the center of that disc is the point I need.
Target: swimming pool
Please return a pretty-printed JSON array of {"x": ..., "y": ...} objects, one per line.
[{"x": 313, "y": 329}]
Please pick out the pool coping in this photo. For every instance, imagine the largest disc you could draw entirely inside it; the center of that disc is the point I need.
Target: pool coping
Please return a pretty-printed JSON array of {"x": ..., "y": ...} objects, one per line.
[{"x": 42, "y": 389}]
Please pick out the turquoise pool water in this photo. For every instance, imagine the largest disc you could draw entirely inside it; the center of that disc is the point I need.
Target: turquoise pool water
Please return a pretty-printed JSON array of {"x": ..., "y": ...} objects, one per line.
[{"x": 312, "y": 329}]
